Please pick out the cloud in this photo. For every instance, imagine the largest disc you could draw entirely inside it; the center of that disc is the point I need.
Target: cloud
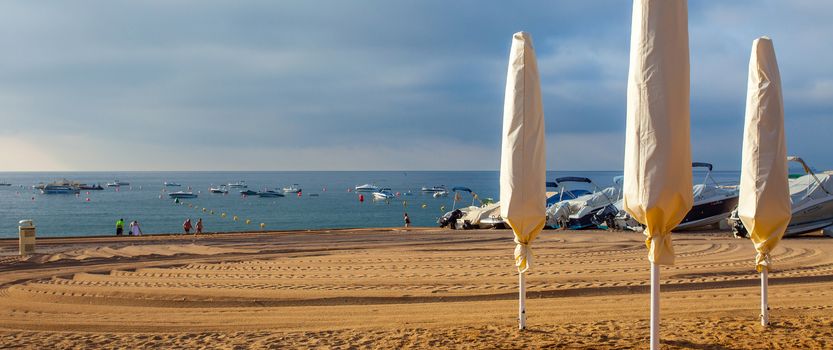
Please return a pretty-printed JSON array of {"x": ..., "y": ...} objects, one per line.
[{"x": 379, "y": 81}]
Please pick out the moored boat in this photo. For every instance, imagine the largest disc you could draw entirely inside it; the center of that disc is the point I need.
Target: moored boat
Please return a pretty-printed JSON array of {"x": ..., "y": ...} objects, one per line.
[
  {"x": 712, "y": 204},
  {"x": 117, "y": 183},
  {"x": 366, "y": 188},
  {"x": 172, "y": 184},
  {"x": 238, "y": 184},
  {"x": 440, "y": 188},
  {"x": 59, "y": 189},
  {"x": 221, "y": 189},
  {"x": 579, "y": 212},
  {"x": 385, "y": 193},
  {"x": 812, "y": 203},
  {"x": 182, "y": 194},
  {"x": 294, "y": 188},
  {"x": 270, "y": 194}
]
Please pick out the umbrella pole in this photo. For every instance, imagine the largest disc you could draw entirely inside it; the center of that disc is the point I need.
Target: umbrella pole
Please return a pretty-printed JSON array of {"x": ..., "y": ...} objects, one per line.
[
  {"x": 654, "y": 306},
  {"x": 764, "y": 297},
  {"x": 521, "y": 301}
]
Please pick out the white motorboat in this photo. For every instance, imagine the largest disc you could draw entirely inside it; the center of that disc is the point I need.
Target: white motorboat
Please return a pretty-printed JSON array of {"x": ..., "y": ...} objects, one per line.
[
  {"x": 579, "y": 212},
  {"x": 812, "y": 203},
  {"x": 117, "y": 183},
  {"x": 366, "y": 188},
  {"x": 440, "y": 188},
  {"x": 172, "y": 184},
  {"x": 485, "y": 216},
  {"x": 221, "y": 189},
  {"x": 385, "y": 193},
  {"x": 294, "y": 188},
  {"x": 440, "y": 194},
  {"x": 238, "y": 184},
  {"x": 712, "y": 203},
  {"x": 182, "y": 194}
]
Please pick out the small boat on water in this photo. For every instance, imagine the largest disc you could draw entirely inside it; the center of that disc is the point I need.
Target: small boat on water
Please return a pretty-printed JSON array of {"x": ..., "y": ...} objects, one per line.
[
  {"x": 440, "y": 194},
  {"x": 385, "y": 193},
  {"x": 118, "y": 183},
  {"x": 182, "y": 194},
  {"x": 238, "y": 184},
  {"x": 221, "y": 189},
  {"x": 60, "y": 189},
  {"x": 294, "y": 188},
  {"x": 366, "y": 188},
  {"x": 270, "y": 194},
  {"x": 440, "y": 188},
  {"x": 5, "y": 184},
  {"x": 172, "y": 184},
  {"x": 248, "y": 193},
  {"x": 95, "y": 187}
]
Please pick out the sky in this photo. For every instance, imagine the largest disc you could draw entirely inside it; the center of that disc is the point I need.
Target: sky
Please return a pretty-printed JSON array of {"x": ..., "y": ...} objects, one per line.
[{"x": 373, "y": 85}]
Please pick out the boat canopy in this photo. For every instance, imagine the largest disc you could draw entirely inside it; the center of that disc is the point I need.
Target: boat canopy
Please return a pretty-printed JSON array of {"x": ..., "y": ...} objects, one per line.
[
  {"x": 701, "y": 191},
  {"x": 552, "y": 184},
  {"x": 573, "y": 179},
  {"x": 809, "y": 171},
  {"x": 810, "y": 187},
  {"x": 463, "y": 189},
  {"x": 701, "y": 165}
]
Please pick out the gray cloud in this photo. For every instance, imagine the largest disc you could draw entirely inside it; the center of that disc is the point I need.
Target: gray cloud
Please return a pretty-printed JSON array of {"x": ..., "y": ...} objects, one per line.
[{"x": 393, "y": 83}]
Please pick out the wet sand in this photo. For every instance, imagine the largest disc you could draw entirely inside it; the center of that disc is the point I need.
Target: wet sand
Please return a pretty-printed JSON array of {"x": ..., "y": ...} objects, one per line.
[{"x": 422, "y": 288}]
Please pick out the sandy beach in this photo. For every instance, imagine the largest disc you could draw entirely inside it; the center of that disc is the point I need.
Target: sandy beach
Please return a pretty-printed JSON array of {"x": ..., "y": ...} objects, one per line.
[{"x": 421, "y": 288}]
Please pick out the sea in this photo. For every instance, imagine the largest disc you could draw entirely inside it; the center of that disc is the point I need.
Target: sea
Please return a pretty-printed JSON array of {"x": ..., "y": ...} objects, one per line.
[{"x": 327, "y": 199}]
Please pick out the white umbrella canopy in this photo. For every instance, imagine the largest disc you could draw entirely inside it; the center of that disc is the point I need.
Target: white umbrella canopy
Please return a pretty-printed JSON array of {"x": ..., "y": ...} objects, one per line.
[
  {"x": 523, "y": 157},
  {"x": 657, "y": 173},
  {"x": 657, "y": 184},
  {"x": 764, "y": 205}
]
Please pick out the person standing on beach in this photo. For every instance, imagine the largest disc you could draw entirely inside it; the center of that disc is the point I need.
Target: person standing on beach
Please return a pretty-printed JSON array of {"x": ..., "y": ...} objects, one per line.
[
  {"x": 199, "y": 226},
  {"x": 187, "y": 225},
  {"x": 134, "y": 228},
  {"x": 407, "y": 220},
  {"x": 119, "y": 227}
]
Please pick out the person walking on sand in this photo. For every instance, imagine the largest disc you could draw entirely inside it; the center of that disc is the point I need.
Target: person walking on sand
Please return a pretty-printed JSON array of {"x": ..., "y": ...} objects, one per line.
[
  {"x": 187, "y": 225},
  {"x": 119, "y": 227},
  {"x": 135, "y": 230},
  {"x": 199, "y": 226},
  {"x": 407, "y": 220}
]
